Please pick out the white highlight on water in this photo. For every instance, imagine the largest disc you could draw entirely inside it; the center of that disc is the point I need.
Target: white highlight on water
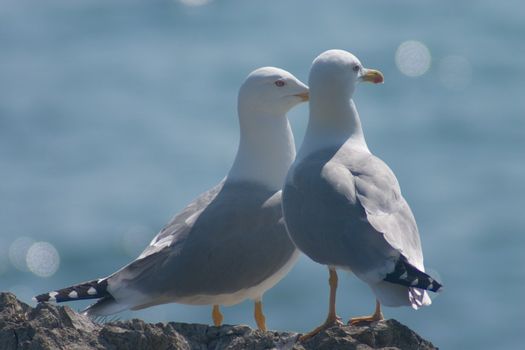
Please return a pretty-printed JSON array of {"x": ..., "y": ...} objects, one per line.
[
  {"x": 18, "y": 251},
  {"x": 413, "y": 58},
  {"x": 194, "y": 2},
  {"x": 42, "y": 259}
]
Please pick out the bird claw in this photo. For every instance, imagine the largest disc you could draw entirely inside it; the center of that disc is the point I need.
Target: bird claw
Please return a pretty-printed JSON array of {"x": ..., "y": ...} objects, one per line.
[
  {"x": 354, "y": 321},
  {"x": 338, "y": 321},
  {"x": 329, "y": 323}
]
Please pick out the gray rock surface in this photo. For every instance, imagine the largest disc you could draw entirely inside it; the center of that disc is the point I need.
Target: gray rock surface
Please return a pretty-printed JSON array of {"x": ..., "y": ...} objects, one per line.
[{"x": 49, "y": 326}]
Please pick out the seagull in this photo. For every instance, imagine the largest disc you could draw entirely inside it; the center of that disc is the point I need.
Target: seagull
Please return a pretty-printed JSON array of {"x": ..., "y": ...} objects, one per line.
[
  {"x": 343, "y": 206},
  {"x": 229, "y": 244}
]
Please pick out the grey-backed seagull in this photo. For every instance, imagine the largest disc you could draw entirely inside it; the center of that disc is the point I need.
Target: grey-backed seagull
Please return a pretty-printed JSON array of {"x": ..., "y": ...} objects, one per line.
[
  {"x": 229, "y": 244},
  {"x": 342, "y": 205}
]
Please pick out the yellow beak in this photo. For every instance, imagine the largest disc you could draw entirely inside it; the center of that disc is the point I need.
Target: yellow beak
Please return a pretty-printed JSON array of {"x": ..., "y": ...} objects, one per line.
[
  {"x": 304, "y": 96},
  {"x": 372, "y": 76}
]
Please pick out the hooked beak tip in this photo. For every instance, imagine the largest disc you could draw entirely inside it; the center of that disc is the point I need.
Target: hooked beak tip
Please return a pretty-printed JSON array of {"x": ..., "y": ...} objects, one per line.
[
  {"x": 304, "y": 96},
  {"x": 373, "y": 76}
]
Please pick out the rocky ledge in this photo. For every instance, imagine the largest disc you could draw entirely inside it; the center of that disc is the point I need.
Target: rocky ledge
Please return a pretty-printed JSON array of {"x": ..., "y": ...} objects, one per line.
[{"x": 59, "y": 327}]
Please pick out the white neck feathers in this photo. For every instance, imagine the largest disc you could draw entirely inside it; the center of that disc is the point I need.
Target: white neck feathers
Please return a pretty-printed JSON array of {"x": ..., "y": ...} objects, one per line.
[
  {"x": 333, "y": 122},
  {"x": 266, "y": 149}
]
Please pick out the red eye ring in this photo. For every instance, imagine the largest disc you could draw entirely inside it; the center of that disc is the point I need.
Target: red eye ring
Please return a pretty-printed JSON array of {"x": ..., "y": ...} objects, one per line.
[{"x": 279, "y": 83}]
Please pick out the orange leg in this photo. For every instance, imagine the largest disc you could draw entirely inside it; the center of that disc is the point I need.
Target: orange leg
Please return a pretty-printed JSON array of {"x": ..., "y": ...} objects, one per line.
[
  {"x": 217, "y": 316},
  {"x": 259, "y": 316},
  {"x": 332, "y": 319},
  {"x": 376, "y": 316}
]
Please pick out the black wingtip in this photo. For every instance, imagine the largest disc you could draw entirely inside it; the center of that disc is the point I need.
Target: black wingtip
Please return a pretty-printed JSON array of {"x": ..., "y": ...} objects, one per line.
[
  {"x": 95, "y": 289},
  {"x": 409, "y": 276}
]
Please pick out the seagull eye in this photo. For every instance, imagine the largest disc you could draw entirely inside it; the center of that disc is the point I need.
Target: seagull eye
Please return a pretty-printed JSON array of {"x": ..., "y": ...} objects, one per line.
[
  {"x": 356, "y": 68},
  {"x": 279, "y": 83}
]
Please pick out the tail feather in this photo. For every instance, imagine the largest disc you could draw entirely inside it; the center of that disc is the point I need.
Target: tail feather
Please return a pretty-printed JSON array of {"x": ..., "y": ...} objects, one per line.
[
  {"x": 418, "y": 298},
  {"x": 95, "y": 289},
  {"x": 408, "y": 275},
  {"x": 104, "y": 307}
]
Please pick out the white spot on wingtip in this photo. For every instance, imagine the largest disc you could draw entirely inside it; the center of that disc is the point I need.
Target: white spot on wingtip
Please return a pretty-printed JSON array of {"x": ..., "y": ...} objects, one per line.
[
  {"x": 52, "y": 296},
  {"x": 92, "y": 291},
  {"x": 414, "y": 282},
  {"x": 404, "y": 276},
  {"x": 34, "y": 299},
  {"x": 73, "y": 294},
  {"x": 431, "y": 286}
]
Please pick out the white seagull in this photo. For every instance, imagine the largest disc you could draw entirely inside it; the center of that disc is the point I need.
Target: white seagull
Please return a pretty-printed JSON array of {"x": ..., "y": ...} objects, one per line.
[
  {"x": 229, "y": 244},
  {"x": 343, "y": 206}
]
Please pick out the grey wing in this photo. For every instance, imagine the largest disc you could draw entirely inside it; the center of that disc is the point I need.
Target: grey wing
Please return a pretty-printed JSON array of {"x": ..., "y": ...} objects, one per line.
[
  {"x": 236, "y": 241},
  {"x": 168, "y": 241},
  {"x": 378, "y": 192},
  {"x": 178, "y": 227},
  {"x": 335, "y": 204},
  {"x": 325, "y": 219}
]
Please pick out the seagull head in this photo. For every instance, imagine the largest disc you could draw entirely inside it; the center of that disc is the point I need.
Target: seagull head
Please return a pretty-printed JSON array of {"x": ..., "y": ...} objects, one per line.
[
  {"x": 337, "y": 72},
  {"x": 271, "y": 91}
]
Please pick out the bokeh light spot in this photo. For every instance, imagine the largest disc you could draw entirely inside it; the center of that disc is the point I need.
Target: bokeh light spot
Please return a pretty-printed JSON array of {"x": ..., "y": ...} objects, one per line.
[
  {"x": 18, "y": 251},
  {"x": 194, "y": 2},
  {"x": 455, "y": 72},
  {"x": 413, "y": 58},
  {"x": 42, "y": 259}
]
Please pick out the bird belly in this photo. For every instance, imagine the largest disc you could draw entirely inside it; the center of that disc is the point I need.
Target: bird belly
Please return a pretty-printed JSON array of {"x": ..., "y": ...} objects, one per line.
[{"x": 232, "y": 298}]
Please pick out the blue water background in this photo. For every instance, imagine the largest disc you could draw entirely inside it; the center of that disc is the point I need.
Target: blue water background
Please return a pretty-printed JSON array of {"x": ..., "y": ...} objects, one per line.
[{"x": 115, "y": 114}]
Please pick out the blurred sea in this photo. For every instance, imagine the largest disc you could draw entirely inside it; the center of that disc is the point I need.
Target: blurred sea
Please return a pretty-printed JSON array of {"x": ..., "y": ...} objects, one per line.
[{"x": 115, "y": 114}]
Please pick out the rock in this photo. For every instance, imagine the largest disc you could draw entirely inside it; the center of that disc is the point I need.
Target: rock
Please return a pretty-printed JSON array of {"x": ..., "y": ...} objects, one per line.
[{"x": 48, "y": 326}]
